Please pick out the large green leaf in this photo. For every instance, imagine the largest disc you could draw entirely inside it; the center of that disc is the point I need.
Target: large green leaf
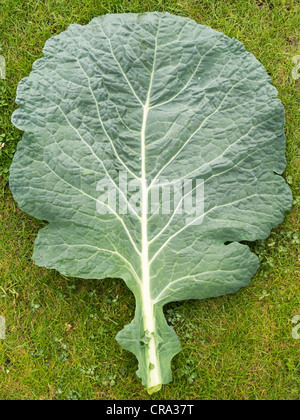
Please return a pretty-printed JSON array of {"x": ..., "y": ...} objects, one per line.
[{"x": 133, "y": 102}]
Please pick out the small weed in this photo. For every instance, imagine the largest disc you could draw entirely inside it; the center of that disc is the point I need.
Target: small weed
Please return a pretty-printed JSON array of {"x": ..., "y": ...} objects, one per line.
[
  {"x": 188, "y": 371},
  {"x": 109, "y": 380},
  {"x": 73, "y": 395},
  {"x": 90, "y": 371},
  {"x": 174, "y": 317}
]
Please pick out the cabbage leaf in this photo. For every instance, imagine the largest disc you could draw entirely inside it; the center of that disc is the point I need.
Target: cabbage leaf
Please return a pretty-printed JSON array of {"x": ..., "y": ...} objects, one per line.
[{"x": 125, "y": 119}]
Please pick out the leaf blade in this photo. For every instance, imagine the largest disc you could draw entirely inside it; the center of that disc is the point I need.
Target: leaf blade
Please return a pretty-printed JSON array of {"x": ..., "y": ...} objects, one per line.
[{"x": 134, "y": 103}]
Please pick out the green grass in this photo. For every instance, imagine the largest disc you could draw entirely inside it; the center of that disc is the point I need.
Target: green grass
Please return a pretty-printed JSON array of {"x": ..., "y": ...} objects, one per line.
[{"x": 60, "y": 332}]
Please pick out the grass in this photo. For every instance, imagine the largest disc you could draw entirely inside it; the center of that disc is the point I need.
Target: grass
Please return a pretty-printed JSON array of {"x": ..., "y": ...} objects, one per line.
[{"x": 60, "y": 331}]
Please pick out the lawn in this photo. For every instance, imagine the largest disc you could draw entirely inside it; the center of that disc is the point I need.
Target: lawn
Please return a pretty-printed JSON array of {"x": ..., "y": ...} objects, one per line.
[{"x": 60, "y": 332}]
